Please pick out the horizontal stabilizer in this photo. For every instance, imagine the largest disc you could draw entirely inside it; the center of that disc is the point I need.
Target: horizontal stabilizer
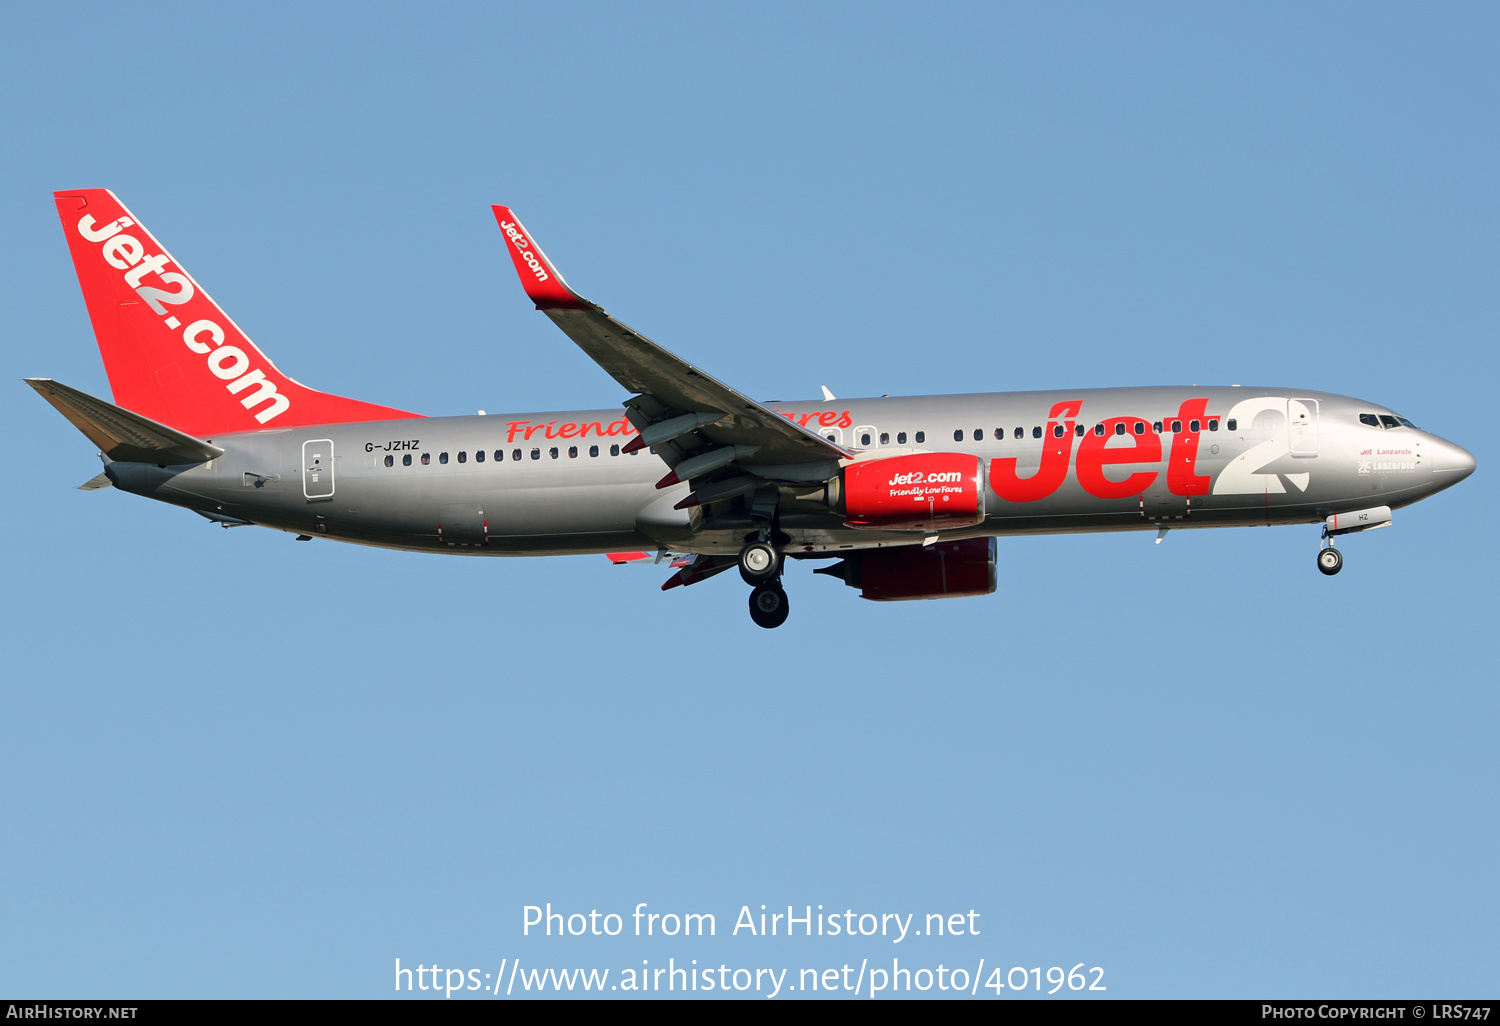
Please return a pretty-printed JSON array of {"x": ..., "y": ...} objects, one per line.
[{"x": 121, "y": 435}]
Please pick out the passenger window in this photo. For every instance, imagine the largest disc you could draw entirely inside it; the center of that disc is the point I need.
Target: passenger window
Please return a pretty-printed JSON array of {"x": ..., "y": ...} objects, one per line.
[
  {"x": 999, "y": 434},
  {"x": 463, "y": 457},
  {"x": 1098, "y": 429},
  {"x": 1058, "y": 430},
  {"x": 536, "y": 454},
  {"x": 921, "y": 437},
  {"x": 1386, "y": 420},
  {"x": 390, "y": 461},
  {"x": 614, "y": 450},
  {"x": 499, "y": 455},
  {"x": 1078, "y": 430},
  {"x": 1231, "y": 425},
  {"x": 1213, "y": 425},
  {"x": 515, "y": 454},
  {"x": 958, "y": 436},
  {"x": 1140, "y": 427},
  {"x": 979, "y": 434},
  {"x": 426, "y": 458},
  {"x": 885, "y": 438},
  {"x": 593, "y": 450},
  {"x": 1194, "y": 425},
  {"x": 1119, "y": 427},
  {"x": 1156, "y": 427},
  {"x": 1036, "y": 432},
  {"x": 864, "y": 439},
  {"x": 1176, "y": 427},
  {"x": 1369, "y": 419},
  {"x": 830, "y": 436},
  {"x": 901, "y": 438},
  {"x": 442, "y": 457},
  {"x": 572, "y": 452},
  {"x": 552, "y": 452},
  {"x": 479, "y": 456},
  {"x": 406, "y": 460}
]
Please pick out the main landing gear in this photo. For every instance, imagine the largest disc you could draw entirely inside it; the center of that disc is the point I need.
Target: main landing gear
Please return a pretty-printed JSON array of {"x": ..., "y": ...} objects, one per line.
[{"x": 760, "y": 566}]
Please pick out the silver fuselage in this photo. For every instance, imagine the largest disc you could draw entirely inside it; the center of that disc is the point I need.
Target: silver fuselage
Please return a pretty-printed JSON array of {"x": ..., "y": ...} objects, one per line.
[{"x": 1292, "y": 456}]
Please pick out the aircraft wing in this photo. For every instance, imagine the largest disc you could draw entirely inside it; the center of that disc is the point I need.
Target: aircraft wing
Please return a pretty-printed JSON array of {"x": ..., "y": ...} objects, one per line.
[{"x": 700, "y": 426}]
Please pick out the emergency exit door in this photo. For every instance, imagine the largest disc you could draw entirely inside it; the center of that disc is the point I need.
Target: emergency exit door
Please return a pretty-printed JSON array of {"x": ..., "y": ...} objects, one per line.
[{"x": 317, "y": 469}]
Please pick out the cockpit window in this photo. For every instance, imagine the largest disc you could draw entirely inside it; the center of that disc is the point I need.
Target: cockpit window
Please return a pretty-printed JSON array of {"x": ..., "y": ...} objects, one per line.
[
  {"x": 1387, "y": 420},
  {"x": 1407, "y": 423},
  {"x": 1369, "y": 419}
]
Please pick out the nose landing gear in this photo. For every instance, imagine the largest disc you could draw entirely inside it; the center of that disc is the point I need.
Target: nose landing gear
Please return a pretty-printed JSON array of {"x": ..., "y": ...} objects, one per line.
[{"x": 1330, "y": 559}]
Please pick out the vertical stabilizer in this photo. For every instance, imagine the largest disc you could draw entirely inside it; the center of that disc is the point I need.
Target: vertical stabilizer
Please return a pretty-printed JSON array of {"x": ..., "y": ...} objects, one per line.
[{"x": 171, "y": 353}]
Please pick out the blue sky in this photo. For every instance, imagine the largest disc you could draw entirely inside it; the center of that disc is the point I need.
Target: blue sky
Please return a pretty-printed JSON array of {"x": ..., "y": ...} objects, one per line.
[{"x": 235, "y": 766}]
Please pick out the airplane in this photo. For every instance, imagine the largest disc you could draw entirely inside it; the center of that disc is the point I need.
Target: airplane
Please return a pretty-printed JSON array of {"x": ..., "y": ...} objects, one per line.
[{"x": 907, "y": 494}]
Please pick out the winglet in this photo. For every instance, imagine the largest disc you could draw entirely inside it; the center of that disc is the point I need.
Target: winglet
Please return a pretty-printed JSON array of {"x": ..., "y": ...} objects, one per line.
[{"x": 538, "y": 277}]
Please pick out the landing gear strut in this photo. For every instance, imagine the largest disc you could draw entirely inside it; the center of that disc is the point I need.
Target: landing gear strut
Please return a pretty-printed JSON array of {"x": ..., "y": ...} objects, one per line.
[
  {"x": 1330, "y": 559},
  {"x": 768, "y": 606}
]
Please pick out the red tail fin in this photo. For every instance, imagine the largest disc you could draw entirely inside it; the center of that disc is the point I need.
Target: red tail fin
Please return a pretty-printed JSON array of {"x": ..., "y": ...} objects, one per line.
[{"x": 170, "y": 352}]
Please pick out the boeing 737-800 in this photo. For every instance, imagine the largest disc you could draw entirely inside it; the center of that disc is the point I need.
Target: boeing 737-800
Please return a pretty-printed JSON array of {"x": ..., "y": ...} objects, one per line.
[{"x": 907, "y": 494}]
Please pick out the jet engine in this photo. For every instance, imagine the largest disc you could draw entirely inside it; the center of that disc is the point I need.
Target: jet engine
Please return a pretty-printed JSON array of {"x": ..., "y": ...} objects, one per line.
[
  {"x": 955, "y": 569},
  {"x": 918, "y": 492}
]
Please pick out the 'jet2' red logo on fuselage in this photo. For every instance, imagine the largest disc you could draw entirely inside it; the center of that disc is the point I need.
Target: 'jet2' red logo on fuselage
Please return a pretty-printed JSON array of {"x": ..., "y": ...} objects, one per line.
[{"x": 1094, "y": 455}]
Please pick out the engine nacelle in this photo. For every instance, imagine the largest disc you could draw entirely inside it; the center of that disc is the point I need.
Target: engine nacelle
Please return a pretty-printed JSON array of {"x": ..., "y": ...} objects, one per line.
[
  {"x": 918, "y": 492},
  {"x": 956, "y": 569}
]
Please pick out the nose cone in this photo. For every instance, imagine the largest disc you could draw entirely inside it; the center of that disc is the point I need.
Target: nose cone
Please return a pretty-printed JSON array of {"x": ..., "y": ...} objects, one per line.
[{"x": 1450, "y": 463}]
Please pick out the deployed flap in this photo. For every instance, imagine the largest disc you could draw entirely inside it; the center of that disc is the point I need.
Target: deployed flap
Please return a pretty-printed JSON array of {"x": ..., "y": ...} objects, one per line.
[
  {"x": 122, "y": 435},
  {"x": 645, "y": 368},
  {"x": 699, "y": 568}
]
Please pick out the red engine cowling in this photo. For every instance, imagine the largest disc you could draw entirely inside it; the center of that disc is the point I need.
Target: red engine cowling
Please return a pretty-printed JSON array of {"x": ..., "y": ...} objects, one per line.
[
  {"x": 920, "y": 492},
  {"x": 946, "y": 570}
]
